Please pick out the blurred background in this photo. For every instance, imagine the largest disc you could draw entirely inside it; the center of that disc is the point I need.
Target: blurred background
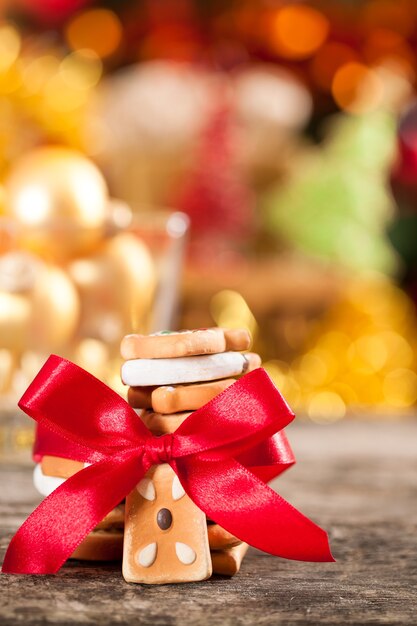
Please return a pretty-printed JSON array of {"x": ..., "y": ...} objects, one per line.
[{"x": 188, "y": 163}]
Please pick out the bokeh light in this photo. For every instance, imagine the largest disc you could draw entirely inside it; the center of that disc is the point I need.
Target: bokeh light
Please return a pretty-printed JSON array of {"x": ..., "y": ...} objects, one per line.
[
  {"x": 331, "y": 56},
  {"x": 357, "y": 88},
  {"x": 230, "y": 310},
  {"x": 99, "y": 30},
  {"x": 298, "y": 30},
  {"x": 397, "y": 16},
  {"x": 10, "y": 43}
]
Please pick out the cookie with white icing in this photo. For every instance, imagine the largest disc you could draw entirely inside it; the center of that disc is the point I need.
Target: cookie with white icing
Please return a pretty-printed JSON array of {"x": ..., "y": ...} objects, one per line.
[
  {"x": 189, "y": 369},
  {"x": 165, "y": 532}
]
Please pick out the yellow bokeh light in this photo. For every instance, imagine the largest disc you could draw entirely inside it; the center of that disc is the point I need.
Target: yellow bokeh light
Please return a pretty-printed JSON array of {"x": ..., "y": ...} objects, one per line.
[
  {"x": 230, "y": 310},
  {"x": 400, "y": 388},
  {"x": 9, "y": 46},
  {"x": 400, "y": 352},
  {"x": 313, "y": 368},
  {"x": 81, "y": 69},
  {"x": 283, "y": 378},
  {"x": 297, "y": 31},
  {"x": 368, "y": 354},
  {"x": 62, "y": 98},
  {"x": 38, "y": 72},
  {"x": 93, "y": 356},
  {"x": 11, "y": 80},
  {"x": 357, "y": 88},
  {"x": 99, "y": 30},
  {"x": 325, "y": 407}
]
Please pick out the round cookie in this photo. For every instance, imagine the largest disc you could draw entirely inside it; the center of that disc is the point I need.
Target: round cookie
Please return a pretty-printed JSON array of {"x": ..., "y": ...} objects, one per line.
[
  {"x": 156, "y": 372},
  {"x": 168, "y": 345},
  {"x": 173, "y": 399}
]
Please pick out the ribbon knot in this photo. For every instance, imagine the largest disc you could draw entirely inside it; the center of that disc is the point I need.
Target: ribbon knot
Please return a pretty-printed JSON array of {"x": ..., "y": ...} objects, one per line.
[{"x": 159, "y": 449}]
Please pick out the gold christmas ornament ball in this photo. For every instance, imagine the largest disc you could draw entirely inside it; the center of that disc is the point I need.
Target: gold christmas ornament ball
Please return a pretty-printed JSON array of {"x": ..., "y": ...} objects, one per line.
[
  {"x": 14, "y": 321},
  {"x": 55, "y": 310},
  {"x": 116, "y": 288},
  {"x": 19, "y": 271},
  {"x": 59, "y": 198},
  {"x": 93, "y": 356},
  {"x": 7, "y": 369},
  {"x": 134, "y": 277}
]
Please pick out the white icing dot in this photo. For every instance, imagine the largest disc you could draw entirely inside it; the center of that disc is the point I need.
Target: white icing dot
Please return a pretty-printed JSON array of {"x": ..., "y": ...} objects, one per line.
[
  {"x": 177, "y": 489},
  {"x": 146, "y": 489},
  {"x": 146, "y": 557},
  {"x": 184, "y": 553},
  {"x": 169, "y": 389}
]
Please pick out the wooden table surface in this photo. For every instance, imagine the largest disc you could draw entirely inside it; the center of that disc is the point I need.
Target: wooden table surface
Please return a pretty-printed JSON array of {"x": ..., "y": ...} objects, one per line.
[{"x": 357, "y": 479}]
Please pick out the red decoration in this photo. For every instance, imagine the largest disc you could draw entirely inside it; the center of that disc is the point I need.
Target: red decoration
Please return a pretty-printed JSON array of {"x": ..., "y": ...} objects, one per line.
[
  {"x": 207, "y": 452},
  {"x": 215, "y": 195},
  {"x": 52, "y": 11}
]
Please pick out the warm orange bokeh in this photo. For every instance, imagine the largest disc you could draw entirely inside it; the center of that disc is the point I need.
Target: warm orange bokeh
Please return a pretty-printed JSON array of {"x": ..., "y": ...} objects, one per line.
[
  {"x": 99, "y": 30},
  {"x": 331, "y": 56},
  {"x": 297, "y": 31},
  {"x": 357, "y": 88}
]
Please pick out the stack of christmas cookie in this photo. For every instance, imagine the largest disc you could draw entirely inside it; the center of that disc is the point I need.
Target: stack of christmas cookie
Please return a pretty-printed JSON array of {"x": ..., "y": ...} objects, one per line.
[{"x": 170, "y": 374}]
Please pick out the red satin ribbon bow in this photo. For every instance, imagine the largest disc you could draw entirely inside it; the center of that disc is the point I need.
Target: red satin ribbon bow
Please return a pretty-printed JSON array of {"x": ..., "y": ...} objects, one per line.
[{"x": 211, "y": 452}]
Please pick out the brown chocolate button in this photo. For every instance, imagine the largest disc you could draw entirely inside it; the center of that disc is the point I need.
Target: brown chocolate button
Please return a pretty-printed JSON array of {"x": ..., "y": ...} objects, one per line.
[{"x": 164, "y": 519}]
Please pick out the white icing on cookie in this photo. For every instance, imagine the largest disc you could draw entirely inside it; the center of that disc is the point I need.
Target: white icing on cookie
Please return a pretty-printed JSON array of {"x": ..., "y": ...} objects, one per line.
[
  {"x": 146, "y": 557},
  {"x": 184, "y": 553},
  {"x": 177, "y": 489},
  {"x": 146, "y": 489},
  {"x": 189, "y": 369}
]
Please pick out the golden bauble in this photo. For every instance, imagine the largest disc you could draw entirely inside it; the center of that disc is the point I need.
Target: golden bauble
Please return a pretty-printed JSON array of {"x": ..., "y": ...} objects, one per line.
[
  {"x": 134, "y": 277},
  {"x": 55, "y": 310},
  {"x": 117, "y": 288},
  {"x": 7, "y": 369},
  {"x": 14, "y": 321},
  {"x": 19, "y": 271},
  {"x": 60, "y": 200},
  {"x": 93, "y": 356}
]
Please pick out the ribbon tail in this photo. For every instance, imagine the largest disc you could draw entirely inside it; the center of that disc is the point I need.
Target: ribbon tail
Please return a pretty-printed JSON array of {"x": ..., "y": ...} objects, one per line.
[
  {"x": 58, "y": 525},
  {"x": 241, "y": 503}
]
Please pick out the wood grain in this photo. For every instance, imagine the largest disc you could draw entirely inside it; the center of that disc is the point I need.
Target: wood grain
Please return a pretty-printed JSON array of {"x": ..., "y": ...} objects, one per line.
[{"x": 358, "y": 480}]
